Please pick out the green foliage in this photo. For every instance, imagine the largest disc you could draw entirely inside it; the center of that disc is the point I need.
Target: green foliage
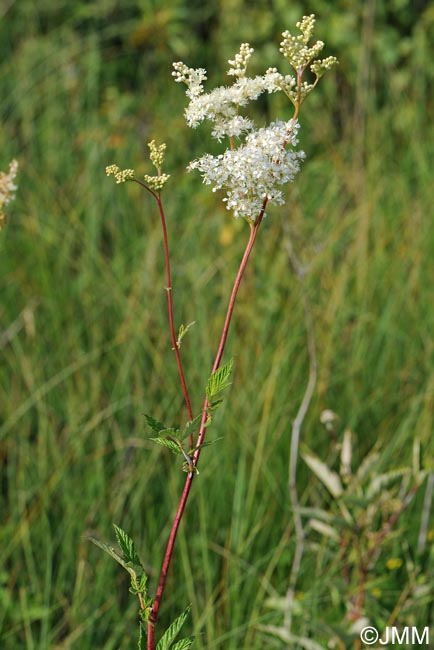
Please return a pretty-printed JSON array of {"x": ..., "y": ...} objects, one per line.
[
  {"x": 155, "y": 424},
  {"x": 111, "y": 551},
  {"x": 127, "y": 546},
  {"x": 130, "y": 561},
  {"x": 183, "y": 644},
  {"x": 219, "y": 380},
  {"x": 172, "y": 632},
  {"x": 183, "y": 329},
  {"x": 142, "y": 637},
  {"x": 173, "y": 445},
  {"x": 190, "y": 427}
]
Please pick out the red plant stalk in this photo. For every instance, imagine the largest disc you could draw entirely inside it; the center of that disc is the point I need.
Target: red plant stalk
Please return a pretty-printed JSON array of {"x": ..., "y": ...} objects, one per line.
[
  {"x": 175, "y": 345},
  {"x": 254, "y": 227}
]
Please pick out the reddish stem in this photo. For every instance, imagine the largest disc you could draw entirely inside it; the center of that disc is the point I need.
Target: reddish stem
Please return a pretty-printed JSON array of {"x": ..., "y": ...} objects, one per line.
[
  {"x": 175, "y": 346},
  {"x": 254, "y": 227},
  {"x": 170, "y": 310}
]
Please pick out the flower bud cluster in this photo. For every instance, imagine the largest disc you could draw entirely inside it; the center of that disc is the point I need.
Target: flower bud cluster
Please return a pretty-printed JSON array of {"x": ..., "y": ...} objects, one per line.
[
  {"x": 121, "y": 175},
  {"x": 240, "y": 61},
  {"x": 156, "y": 183},
  {"x": 7, "y": 189},
  {"x": 157, "y": 154},
  {"x": 295, "y": 49}
]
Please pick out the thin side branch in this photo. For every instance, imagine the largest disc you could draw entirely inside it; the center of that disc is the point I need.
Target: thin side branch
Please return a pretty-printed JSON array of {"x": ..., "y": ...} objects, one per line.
[{"x": 173, "y": 337}]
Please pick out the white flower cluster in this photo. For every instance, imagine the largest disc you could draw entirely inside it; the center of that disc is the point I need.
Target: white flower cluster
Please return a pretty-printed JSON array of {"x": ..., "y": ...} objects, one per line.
[
  {"x": 253, "y": 171},
  {"x": 221, "y": 105},
  {"x": 7, "y": 189}
]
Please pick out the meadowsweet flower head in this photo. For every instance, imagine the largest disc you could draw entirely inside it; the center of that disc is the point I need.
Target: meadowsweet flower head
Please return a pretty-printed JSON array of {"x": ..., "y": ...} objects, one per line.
[
  {"x": 265, "y": 158},
  {"x": 7, "y": 189},
  {"x": 255, "y": 170}
]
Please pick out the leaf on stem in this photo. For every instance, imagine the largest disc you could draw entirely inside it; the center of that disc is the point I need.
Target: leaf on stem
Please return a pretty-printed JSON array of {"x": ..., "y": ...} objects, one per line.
[
  {"x": 189, "y": 427},
  {"x": 184, "y": 644},
  {"x": 127, "y": 546},
  {"x": 142, "y": 637},
  {"x": 172, "y": 632},
  {"x": 110, "y": 551},
  {"x": 171, "y": 444},
  {"x": 154, "y": 424},
  {"x": 204, "y": 444},
  {"x": 219, "y": 380},
  {"x": 183, "y": 329}
]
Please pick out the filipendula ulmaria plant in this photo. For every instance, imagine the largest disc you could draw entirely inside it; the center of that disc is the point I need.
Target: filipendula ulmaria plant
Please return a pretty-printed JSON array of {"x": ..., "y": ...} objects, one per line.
[{"x": 252, "y": 171}]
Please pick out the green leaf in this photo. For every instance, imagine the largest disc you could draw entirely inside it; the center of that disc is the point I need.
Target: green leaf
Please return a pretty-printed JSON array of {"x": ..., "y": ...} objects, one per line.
[
  {"x": 172, "y": 431},
  {"x": 170, "y": 444},
  {"x": 127, "y": 546},
  {"x": 142, "y": 583},
  {"x": 110, "y": 551},
  {"x": 154, "y": 424},
  {"x": 183, "y": 329},
  {"x": 183, "y": 644},
  {"x": 138, "y": 583},
  {"x": 142, "y": 637},
  {"x": 189, "y": 427},
  {"x": 214, "y": 406},
  {"x": 219, "y": 380},
  {"x": 204, "y": 444},
  {"x": 172, "y": 632}
]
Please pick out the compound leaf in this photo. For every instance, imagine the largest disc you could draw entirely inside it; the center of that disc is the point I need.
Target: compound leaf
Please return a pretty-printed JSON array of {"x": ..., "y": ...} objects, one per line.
[
  {"x": 170, "y": 444},
  {"x": 127, "y": 546},
  {"x": 219, "y": 380},
  {"x": 172, "y": 632},
  {"x": 154, "y": 424}
]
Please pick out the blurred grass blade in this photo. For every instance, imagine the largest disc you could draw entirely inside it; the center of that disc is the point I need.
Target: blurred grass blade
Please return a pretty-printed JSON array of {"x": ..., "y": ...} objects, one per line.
[{"x": 328, "y": 477}]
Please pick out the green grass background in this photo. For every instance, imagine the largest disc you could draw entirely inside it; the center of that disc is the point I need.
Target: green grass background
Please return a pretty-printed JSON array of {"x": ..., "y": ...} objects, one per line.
[{"x": 84, "y": 343}]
